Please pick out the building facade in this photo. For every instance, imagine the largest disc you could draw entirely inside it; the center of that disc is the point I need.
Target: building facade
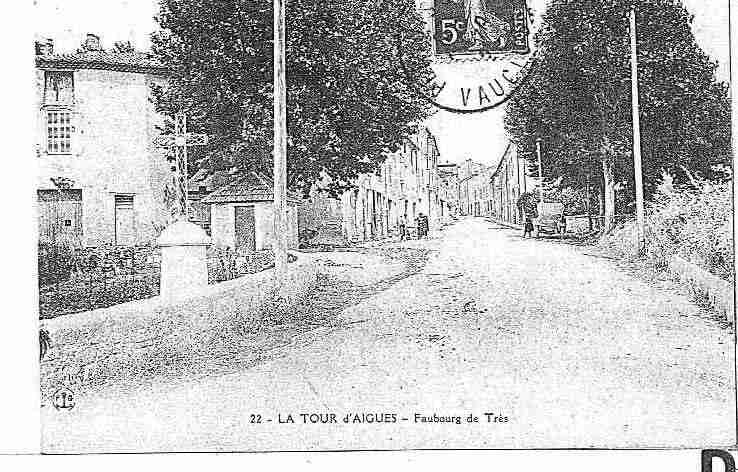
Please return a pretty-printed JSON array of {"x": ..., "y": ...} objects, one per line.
[
  {"x": 480, "y": 192},
  {"x": 508, "y": 181},
  {"x": 467, "y": 172},
  {"x": 101, "y": 179},
  {"x": 405, "y": 186},
  {"x": 448, "y": 190}
]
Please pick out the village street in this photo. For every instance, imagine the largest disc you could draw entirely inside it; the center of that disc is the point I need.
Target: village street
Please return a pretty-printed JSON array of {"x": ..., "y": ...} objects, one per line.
[{"x": 564, "y": 348}]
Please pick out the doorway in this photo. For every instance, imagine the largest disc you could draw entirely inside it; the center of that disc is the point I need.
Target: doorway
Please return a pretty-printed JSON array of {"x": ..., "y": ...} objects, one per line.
[
  {"x": 125, "y": 221},
  {"x": 245, "y": 228}
]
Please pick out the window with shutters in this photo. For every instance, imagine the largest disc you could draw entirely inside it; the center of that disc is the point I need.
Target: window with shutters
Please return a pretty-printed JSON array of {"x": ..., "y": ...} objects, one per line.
[{"x": 58, "y": 105}]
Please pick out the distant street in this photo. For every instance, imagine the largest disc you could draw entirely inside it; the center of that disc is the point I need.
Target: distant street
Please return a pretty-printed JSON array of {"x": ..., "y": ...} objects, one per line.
[{"x": 562, "y": 348}]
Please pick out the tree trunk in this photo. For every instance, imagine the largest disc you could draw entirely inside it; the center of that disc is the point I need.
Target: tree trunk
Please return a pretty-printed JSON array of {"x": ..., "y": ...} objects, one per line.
[{"x": 608, "y": 194}]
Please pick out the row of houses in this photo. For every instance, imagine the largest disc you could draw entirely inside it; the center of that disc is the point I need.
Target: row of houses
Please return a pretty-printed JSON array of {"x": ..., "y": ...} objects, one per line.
[
  {"x": 493, "y": 191},
  {"x": 405, "y": 186},
  {"x": 102, "y": 180}
]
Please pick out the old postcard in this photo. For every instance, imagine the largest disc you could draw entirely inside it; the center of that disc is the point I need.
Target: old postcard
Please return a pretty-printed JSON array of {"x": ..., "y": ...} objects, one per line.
[{"x": 384, "y": 225}]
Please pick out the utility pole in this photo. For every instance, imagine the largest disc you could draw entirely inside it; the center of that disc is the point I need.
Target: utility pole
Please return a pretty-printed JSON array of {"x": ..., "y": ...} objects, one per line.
[
  {"x": 540, "y": 169},
  {"x": 640, "y": 217},
  {"x": 280, "y": 144},
  {"x": 589, "y": 203}
]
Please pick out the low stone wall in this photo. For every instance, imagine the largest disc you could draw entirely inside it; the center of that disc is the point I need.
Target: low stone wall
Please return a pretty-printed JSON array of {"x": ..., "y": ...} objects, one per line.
[
  {"x": 719, "y": 292},
  {"x": 145, "y": 338}
]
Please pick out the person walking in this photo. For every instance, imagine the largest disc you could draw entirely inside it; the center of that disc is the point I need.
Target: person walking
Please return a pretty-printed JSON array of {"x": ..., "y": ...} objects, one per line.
[
  {"x": 528, "y": 229},
  {"x": 403, "y": 228}
]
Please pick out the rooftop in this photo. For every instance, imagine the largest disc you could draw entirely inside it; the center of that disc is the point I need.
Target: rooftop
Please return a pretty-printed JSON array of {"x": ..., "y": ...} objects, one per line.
[
  {"x": 251, "y": 187},
  {"x": 122, "y": 57},
  {"x": 106, "y": 60}
]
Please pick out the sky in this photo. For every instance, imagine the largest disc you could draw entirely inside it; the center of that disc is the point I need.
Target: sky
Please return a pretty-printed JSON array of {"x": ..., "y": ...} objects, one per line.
[{"x": 479, "y": 136}]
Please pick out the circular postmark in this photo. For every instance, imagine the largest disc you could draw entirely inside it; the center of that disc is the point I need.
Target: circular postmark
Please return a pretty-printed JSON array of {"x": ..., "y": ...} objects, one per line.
[
  {"x": 481, "y": 52},
  {"x": 64, "y": 399}
]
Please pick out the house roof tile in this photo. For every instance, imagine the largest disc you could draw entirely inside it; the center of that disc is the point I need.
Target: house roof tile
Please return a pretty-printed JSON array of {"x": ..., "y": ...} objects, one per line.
[
  {"x": 106, "y": 60},
  {"x": 251, "y": 187}
]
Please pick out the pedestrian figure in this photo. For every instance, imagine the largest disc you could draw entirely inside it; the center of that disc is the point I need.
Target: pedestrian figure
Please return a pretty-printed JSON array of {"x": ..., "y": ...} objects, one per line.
[
  {"x": 421, "y": 223},
  {"x": 403, "y": 228},
  {"x": 528, "y": 229}
]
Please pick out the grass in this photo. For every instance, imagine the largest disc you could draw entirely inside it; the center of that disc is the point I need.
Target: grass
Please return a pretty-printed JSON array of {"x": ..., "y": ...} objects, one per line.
[{"x": 82, "y": 294}]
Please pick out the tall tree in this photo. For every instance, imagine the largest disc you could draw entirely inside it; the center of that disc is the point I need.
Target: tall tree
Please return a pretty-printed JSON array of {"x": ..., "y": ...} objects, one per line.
[
  {"x": 349, "y": 103},
  {"x": 578, "y": 98}
]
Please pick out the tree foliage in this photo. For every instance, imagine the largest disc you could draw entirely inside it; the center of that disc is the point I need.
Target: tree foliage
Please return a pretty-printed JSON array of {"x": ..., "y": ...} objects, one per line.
[
  {"x": 578, "y": 99},
  {"x": 349, "y": 104}
]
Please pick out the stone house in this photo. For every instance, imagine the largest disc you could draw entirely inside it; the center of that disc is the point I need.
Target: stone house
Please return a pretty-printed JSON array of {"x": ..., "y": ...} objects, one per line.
[
  {"x": 242, "y": 215},
  {"x": 96, "y": 126}
]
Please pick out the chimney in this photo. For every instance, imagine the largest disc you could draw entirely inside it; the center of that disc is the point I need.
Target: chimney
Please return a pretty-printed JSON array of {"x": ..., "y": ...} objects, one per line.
[
  {"x": 45, "y": 47},
  {"x": 92, "y": 43}
]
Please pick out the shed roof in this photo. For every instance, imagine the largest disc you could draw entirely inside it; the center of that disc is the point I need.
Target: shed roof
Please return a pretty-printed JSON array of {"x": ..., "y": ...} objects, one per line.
[{"x": 249, "y": 187}]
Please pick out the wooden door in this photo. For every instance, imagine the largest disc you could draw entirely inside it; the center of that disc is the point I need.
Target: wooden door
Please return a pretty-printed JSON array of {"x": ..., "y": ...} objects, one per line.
[
  {"x": 245, "y": 228},
  {"x": 60, "y": 214},
  {"x": 125, "y": 221}
]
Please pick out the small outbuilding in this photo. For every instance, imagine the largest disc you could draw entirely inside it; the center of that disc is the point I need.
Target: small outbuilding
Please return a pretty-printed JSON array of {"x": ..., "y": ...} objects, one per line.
[{"x": 242, "y": 215}]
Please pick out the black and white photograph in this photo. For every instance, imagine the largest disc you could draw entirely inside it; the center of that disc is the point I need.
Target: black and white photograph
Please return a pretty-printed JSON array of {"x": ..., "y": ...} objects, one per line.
[{"x": 383, "y": 225}]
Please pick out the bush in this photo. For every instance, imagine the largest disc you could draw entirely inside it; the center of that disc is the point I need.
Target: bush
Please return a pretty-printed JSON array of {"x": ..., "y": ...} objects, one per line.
[
  {"x": 56, "y": 260},
  {"x": 694, "y": 223}
]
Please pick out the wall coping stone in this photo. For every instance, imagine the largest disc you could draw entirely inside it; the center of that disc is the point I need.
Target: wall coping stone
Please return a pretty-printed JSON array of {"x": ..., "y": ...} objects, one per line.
[{"x": 183, "y": 233}]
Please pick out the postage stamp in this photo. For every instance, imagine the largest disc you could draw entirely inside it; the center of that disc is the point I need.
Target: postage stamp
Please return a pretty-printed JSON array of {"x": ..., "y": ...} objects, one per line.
[
  {"x": 384, "y": 225},
  {"x": 481, "y": 53},
  {"x": 480, "y": 26}
]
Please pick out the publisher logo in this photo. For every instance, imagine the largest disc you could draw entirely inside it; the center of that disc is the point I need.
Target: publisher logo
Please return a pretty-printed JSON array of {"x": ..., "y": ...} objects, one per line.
[{"x": 64, "y": 399}]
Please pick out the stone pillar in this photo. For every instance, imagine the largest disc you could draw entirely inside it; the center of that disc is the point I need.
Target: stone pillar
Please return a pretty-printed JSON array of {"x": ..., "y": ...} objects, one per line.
[{"x": 184, "y": 268}]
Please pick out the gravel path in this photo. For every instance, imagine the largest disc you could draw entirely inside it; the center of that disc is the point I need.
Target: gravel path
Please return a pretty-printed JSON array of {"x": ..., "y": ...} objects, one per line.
[{"x": 561, "y": 349}]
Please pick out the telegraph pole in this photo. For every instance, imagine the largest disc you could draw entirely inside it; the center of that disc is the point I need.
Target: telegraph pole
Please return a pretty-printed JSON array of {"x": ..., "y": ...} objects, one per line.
[
  {"x": 638, "y": 167},
  {"x": 280, "y": 144},
  {"x": 540, "y": 169}
]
